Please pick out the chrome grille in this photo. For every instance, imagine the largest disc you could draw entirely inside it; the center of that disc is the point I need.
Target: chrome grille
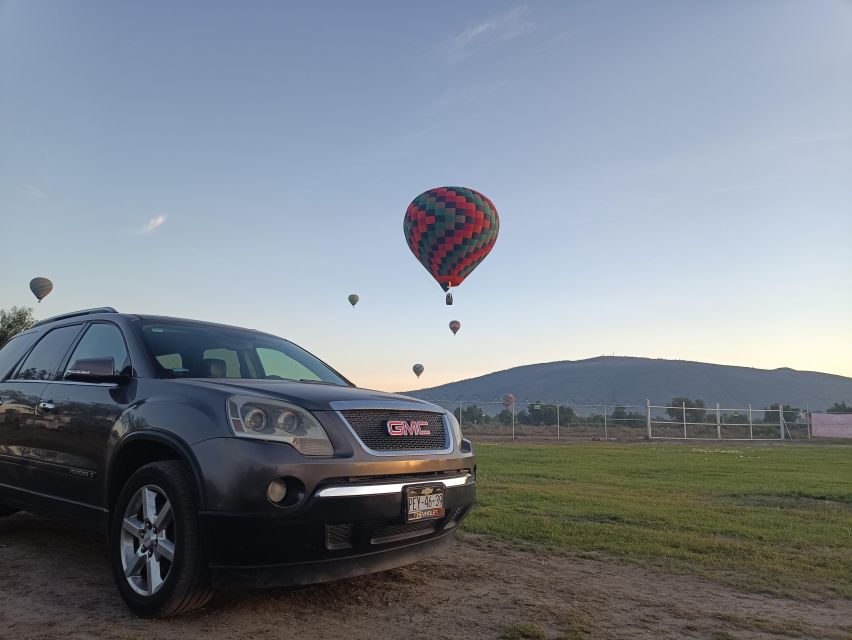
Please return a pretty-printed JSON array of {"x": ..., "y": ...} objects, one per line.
[{"x": 370, "y": 425}]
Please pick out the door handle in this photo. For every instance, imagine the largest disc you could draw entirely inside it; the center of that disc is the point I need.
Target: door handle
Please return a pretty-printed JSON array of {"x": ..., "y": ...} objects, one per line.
[{"x": 46, "y": 407}]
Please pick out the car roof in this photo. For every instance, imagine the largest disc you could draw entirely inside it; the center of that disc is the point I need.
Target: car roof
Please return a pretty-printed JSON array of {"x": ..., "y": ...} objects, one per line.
[
  {"x": 99, "y": 313},
  {"x": 166, "y": 319}
]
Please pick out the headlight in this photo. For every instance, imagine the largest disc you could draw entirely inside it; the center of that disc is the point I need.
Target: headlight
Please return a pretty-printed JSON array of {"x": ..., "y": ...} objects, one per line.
[
  {"x": 456, "y": 428},
  {"x": 280, "y": 422}
]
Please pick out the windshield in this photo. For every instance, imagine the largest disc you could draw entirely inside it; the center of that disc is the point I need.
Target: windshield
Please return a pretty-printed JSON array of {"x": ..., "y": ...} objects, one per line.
[{"x": 190, "y": 350}]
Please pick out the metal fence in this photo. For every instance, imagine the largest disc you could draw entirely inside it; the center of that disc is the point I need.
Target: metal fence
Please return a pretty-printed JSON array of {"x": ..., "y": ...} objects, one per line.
[{"x": 628, "y": 421}]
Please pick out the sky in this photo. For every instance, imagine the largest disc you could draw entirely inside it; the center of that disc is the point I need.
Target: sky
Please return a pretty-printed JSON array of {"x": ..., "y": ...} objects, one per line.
[{"x": 674, "y": 179}]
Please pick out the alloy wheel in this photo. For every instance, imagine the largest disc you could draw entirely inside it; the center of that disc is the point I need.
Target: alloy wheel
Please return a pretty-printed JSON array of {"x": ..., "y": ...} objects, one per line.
[{"x": 147, "y": 540}]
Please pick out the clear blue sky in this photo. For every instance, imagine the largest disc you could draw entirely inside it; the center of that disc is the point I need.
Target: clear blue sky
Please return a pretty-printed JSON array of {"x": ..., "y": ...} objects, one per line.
[{"x": 674, "y": 179}]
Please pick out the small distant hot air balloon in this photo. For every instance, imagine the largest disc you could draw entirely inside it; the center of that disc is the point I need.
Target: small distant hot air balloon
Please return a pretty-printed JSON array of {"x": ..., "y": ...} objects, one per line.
[
  {"x": 450, "y": 230},
  {"x": 508, "y": 401},
  {"x": 41, "y": 287},
  {"x": 417, "y": 369},
  {"x": 353, "y": 299},
  {"x": 455, "y": 325}
]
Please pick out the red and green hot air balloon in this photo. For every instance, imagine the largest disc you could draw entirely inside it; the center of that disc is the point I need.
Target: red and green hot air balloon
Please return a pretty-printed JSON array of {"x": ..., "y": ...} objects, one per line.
[
  {"x": 455, "y": 325},
  {"x": 450, "y": 230}
]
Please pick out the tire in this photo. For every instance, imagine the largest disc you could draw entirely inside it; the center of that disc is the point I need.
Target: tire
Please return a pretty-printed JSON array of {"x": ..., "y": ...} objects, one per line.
[{"x": 155, "y": 545}]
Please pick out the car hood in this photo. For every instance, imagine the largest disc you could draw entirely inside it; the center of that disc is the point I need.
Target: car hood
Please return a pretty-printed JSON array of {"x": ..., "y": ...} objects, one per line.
[{"x": 309, "y": 395}]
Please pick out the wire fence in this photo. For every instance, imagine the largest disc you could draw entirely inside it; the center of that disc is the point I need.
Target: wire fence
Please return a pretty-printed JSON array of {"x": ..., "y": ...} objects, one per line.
[{"x": 629, "y": 421}]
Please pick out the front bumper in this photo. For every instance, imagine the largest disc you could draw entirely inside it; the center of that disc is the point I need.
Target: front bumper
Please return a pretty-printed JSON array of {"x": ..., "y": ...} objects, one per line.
[
  {"x": 316, "y": 571},
  {"x": 348, "y": 521},
  {"x": 352, "y": 537}
]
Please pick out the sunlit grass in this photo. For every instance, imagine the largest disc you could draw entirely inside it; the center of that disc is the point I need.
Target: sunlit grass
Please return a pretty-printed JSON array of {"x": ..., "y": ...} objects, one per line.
[{"x": 763, "y": 518}]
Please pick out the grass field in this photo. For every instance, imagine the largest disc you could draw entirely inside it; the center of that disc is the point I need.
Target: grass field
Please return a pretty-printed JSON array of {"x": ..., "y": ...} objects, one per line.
[{"x": 774, "y": 519}]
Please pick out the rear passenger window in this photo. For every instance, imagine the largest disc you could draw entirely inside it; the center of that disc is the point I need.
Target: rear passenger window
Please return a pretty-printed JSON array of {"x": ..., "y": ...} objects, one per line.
[
  {"x": 102, "y": 340},
  {"x": 12, "y": 352},
  {"x": 47, "y": 355}
]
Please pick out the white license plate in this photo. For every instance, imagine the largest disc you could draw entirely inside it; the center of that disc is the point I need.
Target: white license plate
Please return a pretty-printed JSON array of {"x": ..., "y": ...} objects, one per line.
[{"x": 424, "y": 502}]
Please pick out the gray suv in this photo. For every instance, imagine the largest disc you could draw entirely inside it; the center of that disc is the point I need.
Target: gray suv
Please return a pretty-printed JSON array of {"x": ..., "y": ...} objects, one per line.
[{"x": 213, "y": 457}]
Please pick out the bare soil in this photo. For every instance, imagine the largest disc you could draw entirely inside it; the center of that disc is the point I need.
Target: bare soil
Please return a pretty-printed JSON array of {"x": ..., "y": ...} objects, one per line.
[{"x": 55, "y": 582}]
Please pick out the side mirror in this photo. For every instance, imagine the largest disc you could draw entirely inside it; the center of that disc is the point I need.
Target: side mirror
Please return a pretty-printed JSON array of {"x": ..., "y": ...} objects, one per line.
[{"x": 93, "y": 370}]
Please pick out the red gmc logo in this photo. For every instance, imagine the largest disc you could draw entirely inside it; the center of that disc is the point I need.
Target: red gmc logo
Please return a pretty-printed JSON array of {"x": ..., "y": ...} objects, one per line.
[{"x": 405, "y": 428}]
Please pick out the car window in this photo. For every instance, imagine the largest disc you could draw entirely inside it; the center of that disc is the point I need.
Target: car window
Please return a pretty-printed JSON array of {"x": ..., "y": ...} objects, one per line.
[
  {"x": 170, "y": 361},
  {"x": 12, "y": 351},
  {"x": 47, "y": 355},
  {"x": 228, "y": 357},
  {"x": 102, "y": 340},
  {"x": 184, "y": 349},
  {"x": 277, "y": 364}
]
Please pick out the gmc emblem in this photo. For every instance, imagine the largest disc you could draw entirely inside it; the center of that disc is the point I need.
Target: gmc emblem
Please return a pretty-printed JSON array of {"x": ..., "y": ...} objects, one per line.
[{"x": 405, "y": 428}]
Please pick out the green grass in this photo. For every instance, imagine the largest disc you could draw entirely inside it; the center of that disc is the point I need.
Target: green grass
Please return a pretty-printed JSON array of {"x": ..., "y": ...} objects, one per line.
[{"x": 776, "y": 519}]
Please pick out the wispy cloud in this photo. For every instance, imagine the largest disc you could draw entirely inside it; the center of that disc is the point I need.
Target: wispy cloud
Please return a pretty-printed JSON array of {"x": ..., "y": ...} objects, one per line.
[
  {"x": 500, "y": 27},
  {"x": 154, "y": 223},
  {"x": 33, "y": 192}
]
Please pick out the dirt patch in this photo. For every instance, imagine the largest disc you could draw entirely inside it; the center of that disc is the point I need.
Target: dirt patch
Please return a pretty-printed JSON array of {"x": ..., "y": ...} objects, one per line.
[{"x": 55, "y": 581}]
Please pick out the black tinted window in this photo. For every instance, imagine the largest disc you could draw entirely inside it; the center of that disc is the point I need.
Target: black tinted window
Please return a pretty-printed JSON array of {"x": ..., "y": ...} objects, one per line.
[
  {"x": 45, "y": 358},
  {"x": 102, "y": 341},
  {"x": 12, "y": 352}
]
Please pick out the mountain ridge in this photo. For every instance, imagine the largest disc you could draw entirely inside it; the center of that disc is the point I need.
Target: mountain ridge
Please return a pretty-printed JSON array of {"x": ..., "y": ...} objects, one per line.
[{"x": 631, "y": 380}]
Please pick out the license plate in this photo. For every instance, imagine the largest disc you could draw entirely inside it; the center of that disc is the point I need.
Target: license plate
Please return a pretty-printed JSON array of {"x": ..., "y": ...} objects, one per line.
[{"x": 424, "y": 502}]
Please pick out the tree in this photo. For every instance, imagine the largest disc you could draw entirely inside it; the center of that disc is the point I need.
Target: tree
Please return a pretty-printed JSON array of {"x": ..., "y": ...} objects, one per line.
[
  {"x": 770, "y": 414},
  {"x": 840, "y": 407},
  {"x": 735, "y": 418},
  {"x": 471, "y": 414},
  {"x": 505, "y": 417},
  {"x": 695, "y": 409},
  {"x": 14, "y": 321},
  {"x": 542, "y": 414}
]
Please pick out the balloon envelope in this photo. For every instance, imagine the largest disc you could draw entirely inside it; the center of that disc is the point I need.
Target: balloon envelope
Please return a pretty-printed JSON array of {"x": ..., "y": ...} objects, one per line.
[
  {"x": 41, "y": 287},
  {"x": 450, "y": 230},
  {"x": 455, "y": 325},
  {"x": 418, "y": 369},
  {"x": 508, "y": 401},
  {"x": 353, "y": 299}
]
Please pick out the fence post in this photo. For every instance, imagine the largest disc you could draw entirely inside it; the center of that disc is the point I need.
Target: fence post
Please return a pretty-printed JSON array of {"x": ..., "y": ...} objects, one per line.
[
  {"x": 648, "y": 408},
  {"x": 460, "y": 414},
  {"x": 718, "y": 423},
  {"x": 557, "y": 421},
  {"x": 606, "y": 435},
  {"x": 684, "y": 419},
  {"x": 513, "y": 421},
  {"x": 781, "y": 418},
  {"x": 750, "y": 424},
  {"x": 808, "y": 419}
]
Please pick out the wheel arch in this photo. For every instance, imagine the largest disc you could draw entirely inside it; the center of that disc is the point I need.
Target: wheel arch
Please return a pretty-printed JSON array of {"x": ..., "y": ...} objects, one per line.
[{"x": 143, "y": 447}]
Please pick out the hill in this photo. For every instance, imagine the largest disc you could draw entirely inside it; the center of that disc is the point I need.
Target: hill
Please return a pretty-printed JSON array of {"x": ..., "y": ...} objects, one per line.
[{"x": 625, "y": 380}]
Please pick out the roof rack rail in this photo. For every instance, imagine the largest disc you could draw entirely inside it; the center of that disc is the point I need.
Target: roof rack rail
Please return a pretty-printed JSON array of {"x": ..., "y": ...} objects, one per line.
[{"x": 74, "y": 314}]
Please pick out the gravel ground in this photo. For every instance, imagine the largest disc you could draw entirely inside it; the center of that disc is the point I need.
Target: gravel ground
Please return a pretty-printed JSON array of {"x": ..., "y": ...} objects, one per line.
[{"x": 55, "y": 582}]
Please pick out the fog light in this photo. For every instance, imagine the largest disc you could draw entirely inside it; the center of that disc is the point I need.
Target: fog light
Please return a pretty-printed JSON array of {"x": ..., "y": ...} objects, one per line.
[{"x": 277, "y": 490}]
